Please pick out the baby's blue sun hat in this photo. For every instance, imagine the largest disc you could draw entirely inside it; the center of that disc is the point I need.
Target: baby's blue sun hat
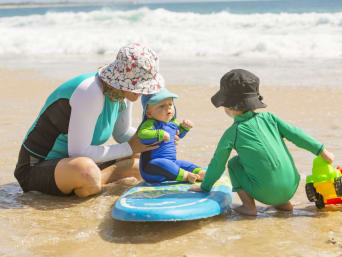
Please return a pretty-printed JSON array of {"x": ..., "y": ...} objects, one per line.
[{"x": 156, "y": 98}]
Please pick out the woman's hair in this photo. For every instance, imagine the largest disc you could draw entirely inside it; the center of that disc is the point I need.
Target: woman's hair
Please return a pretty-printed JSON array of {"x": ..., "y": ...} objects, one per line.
[{"x": 115, "y": 95}]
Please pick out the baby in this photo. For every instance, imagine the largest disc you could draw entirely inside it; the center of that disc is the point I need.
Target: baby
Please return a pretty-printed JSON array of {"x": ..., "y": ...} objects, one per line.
[{"x": 159, "y": 126}]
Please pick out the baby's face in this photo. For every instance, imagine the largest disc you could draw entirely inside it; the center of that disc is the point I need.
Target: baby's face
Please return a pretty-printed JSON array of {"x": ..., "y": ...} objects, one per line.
[{"x": 162, "y": 111}]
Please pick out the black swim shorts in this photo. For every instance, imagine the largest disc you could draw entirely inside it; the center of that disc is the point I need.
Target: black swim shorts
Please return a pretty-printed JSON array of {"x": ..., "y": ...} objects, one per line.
[{"x": 36, "y": 174}]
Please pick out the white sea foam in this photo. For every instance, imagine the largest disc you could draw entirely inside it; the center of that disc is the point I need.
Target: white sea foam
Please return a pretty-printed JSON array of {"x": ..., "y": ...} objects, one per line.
[
  {"x": 284, "y": 49},
  {"x": 175, "y": 35}
]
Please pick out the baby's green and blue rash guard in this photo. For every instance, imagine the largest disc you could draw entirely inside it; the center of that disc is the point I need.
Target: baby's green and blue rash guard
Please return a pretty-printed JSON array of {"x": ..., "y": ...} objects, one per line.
[
  {"x": 264, "y": 168},
  {"x": 161, "y": 164},
  {"x": 76, "y": 119}
]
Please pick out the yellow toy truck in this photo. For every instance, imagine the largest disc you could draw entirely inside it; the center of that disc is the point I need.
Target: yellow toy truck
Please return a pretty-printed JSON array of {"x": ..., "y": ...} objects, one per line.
[{"x": 324, "y": 186}]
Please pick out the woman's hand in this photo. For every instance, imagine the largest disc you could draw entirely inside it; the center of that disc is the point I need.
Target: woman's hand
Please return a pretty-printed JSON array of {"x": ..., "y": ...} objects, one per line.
[
  {"x": 328, "y": 156},
  {"x": 138, "y": 147}
]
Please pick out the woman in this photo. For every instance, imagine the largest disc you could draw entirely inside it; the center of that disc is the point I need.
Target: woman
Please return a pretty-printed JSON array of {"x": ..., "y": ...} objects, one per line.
[{"x": 62, "y": 152}]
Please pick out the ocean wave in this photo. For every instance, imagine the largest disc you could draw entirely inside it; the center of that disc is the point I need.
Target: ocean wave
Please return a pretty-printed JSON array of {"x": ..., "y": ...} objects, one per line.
[{"x": 175, "y": 35}]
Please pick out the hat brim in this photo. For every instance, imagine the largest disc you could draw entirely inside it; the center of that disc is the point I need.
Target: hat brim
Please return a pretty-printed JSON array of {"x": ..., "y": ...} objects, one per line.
[
  {"x": 150, "y": 86},
  {"x": 247, "y": 103},
  {"x": 162, "y": 95}
]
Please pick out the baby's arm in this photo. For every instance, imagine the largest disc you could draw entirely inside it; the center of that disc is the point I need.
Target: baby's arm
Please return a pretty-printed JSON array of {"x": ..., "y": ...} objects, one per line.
[
  {"x": 183, "y": 127},
  {"x": 148, "y": 134}
]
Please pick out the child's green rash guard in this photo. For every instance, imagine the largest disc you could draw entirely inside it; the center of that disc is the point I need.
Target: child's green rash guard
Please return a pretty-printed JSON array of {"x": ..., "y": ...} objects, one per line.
[{"x": 264, "y": 168}]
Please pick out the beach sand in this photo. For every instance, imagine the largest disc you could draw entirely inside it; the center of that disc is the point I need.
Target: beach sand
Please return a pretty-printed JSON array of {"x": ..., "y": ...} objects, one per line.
[{"x": 33, "y": 224}]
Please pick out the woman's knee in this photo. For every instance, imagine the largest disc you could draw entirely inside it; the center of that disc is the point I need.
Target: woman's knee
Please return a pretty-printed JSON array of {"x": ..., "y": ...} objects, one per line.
[
  {"x": 79, "y": 174},
  {"x": 86, "y": 169}
]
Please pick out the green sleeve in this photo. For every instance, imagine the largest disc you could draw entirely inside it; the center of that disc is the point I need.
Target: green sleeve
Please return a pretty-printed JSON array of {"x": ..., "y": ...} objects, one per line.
[
  {"x": 182, "y": 130},
  {"x": 218, "y": 162},
  {"x": 146, "y": 131},
  {"x": 299, "y": 137}
]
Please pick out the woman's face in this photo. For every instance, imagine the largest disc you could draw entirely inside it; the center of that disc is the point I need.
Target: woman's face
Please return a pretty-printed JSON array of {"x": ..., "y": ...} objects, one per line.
[{"x": 131, "y": 96}]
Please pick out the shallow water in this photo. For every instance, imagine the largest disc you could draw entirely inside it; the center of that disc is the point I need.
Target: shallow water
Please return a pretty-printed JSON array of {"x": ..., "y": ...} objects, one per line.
[{"x": 34, "y": 224}]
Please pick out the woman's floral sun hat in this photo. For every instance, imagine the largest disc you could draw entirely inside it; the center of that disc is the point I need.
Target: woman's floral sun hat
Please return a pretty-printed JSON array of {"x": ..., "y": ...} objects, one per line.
[{"x": 135, "y": 69}]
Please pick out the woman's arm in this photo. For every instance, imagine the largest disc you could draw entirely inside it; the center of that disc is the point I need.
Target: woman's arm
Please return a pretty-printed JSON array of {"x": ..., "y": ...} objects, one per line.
[
  {"x": 86, "y": 105},
  {"x": 123, "y": 129}
]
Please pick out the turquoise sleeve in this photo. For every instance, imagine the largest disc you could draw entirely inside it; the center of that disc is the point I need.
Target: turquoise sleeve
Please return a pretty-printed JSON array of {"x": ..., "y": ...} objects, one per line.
[{"x": 299, "y": 137}]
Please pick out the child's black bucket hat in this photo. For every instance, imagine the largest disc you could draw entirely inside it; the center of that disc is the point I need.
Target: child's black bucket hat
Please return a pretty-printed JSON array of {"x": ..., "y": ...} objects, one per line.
[{"x": 239, "y": 90}]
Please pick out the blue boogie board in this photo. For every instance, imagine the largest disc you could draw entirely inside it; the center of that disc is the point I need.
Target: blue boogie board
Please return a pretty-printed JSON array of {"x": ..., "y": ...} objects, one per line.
[{"x": 171, "y": 201}]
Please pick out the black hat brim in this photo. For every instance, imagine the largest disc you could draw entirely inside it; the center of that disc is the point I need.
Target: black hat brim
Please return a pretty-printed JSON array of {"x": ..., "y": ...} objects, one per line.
[{"x": 244, "y": 104}]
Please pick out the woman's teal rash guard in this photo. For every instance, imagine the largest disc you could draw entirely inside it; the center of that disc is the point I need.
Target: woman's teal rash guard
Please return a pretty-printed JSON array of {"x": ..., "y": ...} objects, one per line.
[
  {"x": 264, "y": 168},
  {"x": 77, "y": 119}
]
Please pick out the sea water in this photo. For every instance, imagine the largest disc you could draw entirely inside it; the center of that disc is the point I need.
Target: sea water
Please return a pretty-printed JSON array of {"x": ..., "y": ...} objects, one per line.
[{"x": 284, "y": 42}]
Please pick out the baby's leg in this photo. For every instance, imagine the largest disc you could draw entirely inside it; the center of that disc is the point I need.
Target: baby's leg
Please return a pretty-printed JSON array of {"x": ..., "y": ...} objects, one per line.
[
  {"x": 284, "y": 207},
  {"x": 161, "y": 169},
  {"x": 189, "y": 166}
]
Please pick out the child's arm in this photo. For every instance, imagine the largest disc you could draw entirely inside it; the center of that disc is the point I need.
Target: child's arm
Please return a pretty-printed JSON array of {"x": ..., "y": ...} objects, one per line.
[
  {"x": 183, "y": 127},
  {"x": 298, "y": 136},
  {"x": 217, "y": 164},
  {"x": 148, "y": 134}
]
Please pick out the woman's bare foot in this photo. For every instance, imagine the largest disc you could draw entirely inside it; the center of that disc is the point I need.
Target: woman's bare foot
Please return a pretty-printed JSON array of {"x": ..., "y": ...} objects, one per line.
[{"x": 284, "y": 207}]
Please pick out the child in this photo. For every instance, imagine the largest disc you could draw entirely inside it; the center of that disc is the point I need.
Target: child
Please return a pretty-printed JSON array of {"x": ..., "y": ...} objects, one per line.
[
  {"x": 263, "y": 169},
  {"x": 160, "y": 127}
]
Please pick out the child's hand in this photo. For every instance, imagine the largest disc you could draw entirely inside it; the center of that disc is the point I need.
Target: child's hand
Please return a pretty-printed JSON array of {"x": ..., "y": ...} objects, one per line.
[
  {"x": 166, "y": 137},
  {"x": 187, "y": 124},
  {"x": 328, "y": 156},
  {"x": 196, "y": 188}
]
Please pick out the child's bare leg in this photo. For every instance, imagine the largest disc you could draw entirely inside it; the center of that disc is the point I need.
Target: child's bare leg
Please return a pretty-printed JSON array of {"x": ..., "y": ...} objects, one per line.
[
  {"x": 248, "y": 204},
  {"x": 190, "y": 177},
  {"x": 284, "y": 207}
]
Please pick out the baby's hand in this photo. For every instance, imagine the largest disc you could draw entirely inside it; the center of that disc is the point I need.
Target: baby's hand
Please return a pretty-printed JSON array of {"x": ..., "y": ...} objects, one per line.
[
  {"x": 166, "y": 137},
  {"x": 187, "y": 124},
  {"x": 328, "y": 156}
]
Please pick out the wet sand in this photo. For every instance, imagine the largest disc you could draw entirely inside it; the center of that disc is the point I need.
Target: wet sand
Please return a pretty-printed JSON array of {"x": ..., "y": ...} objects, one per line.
[{"x": 34, "y": 224}]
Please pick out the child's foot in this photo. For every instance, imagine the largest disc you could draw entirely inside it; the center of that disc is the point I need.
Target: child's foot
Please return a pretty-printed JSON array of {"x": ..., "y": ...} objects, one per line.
[
  {"x": 201, "y": 174},
  {"x": 246, "y": 211},
  {"x": 284, "y": 207},
  {"x": 191, "y": 177}
]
